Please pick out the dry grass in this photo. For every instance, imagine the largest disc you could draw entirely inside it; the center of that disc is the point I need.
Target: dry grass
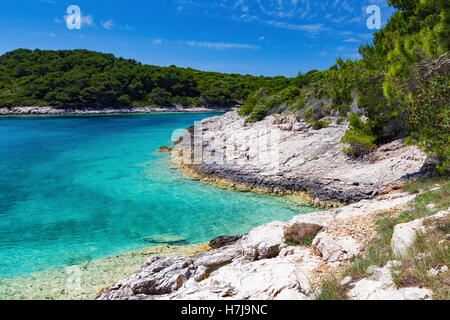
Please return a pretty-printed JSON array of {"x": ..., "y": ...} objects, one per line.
[{"x": 430, "y": 251}]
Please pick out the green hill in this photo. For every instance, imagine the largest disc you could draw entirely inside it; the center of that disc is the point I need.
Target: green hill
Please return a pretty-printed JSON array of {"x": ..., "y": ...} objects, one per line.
[{"x": 82, "y": 78}]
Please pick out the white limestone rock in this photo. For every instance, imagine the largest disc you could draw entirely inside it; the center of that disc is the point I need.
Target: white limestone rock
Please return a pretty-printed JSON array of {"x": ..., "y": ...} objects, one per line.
[
  {"x": 334, "y": 249},
  {"x": 380, "y": 286},
  {"x": 304, "y": 226},
  {"x": 263, "y": 242},
  {"x": 406, "y": 233}
]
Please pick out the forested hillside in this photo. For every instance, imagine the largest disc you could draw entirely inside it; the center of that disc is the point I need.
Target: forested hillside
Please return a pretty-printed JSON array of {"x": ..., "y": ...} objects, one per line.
[
  {"x": 82, "y": 78},
  {"x": 400, "y": 86}
]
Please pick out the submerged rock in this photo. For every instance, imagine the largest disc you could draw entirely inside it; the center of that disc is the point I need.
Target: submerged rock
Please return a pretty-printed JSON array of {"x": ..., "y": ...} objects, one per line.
[{"x": 166, "y": 239}]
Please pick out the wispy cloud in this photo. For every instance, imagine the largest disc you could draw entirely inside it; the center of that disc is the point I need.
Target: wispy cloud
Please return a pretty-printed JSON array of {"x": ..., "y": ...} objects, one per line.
[
  {"x": 45, "y": 34},
  {"x": 87, "y": 21},
  {"x": 313, "y": 28},
  {"x": 108, "y": 24},
  {"x": 221, "y": 45}
]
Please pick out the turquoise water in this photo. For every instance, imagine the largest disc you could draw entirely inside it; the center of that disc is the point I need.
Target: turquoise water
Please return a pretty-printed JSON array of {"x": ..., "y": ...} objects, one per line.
[{"x": 73, "y": 189}]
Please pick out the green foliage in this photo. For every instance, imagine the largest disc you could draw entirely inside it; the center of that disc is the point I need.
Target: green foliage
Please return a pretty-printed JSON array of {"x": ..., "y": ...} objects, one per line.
[
  {"x": 358, "y": 137},
  {"x": 159, "y": 97},
  {"x": 82, "y": 78},
  {"x": 429, "y": 118},
  {"x": 342, "y": 85},
  {"x": 260, "y": 104},
  {"x": 307, "y": 242},
  {"x": 320, "y": 124}
]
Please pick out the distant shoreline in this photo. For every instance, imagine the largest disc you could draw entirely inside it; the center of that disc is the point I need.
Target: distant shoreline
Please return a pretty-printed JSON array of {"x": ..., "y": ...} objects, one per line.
[{"x": 51, "y": 111}]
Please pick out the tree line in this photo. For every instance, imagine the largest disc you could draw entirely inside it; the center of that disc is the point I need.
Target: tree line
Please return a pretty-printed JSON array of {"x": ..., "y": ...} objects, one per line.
[{"x": 82, "y": 78}]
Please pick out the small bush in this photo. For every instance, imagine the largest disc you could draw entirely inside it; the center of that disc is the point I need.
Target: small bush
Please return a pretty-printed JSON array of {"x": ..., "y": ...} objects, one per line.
[
  {"x": 320, "y": 124},
  {"x": 259, "y": 112},
  {"x": 358, "y": 138}
]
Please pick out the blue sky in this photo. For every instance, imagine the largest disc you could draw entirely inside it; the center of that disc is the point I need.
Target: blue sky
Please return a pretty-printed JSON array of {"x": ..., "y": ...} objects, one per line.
[{"x": 260, "y": 37}]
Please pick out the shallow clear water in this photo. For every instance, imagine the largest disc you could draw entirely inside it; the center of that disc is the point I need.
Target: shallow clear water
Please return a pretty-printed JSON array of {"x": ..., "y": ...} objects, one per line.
[{"x": 73, "y": 189}]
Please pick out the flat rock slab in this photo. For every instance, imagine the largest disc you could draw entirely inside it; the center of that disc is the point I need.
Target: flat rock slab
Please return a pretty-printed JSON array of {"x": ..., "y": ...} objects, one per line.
[{"x": 282, "y": 155}]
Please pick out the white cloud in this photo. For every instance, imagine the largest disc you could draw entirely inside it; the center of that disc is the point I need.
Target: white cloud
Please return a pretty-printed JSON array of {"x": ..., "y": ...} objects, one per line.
[
  {"x": 108, "y": 24},
  {"x": 87, "y": 21},
  {"x": 313, "y": 28},
  {"x": 221, "y": 45},
  {"x": 157, "y": 41},
  {"x": 45, "y": 34}
]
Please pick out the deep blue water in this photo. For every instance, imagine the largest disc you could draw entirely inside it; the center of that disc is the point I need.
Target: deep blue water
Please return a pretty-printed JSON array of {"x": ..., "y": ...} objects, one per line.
[{"x": 73, "y": 189}]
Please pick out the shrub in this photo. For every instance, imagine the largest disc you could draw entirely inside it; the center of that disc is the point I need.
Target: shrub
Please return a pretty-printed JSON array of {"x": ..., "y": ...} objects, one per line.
[
  {"x": 320, "y": 124},
  {"x": 429, "y": 119},
  {"x": 259, "y": 112},
  {"x": 358, "y": 137},
  {"x": 252, "y": 100}
]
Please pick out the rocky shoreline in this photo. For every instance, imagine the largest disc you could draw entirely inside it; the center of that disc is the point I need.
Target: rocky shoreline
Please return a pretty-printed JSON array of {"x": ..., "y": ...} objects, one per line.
[
  {"x": 26, "y": 111},
  {"x": 286, "y": 260},
  {"x": 309, "y": 163},
  {"x": 272, "y": 262}
]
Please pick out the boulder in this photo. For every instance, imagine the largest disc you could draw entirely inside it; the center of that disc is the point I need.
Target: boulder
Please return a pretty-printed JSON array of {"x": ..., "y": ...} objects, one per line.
[
  {"x": 334, "y": 249},
  {"x": 158, "y": 276},
  {"x": 264, "y": 242},
  {"x": 305, "y": 226},
  {"x": 223, "y": 241}
]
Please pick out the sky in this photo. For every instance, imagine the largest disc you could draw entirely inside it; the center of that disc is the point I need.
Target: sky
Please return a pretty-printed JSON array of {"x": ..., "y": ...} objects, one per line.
[{"x": 259, "y": 37}]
